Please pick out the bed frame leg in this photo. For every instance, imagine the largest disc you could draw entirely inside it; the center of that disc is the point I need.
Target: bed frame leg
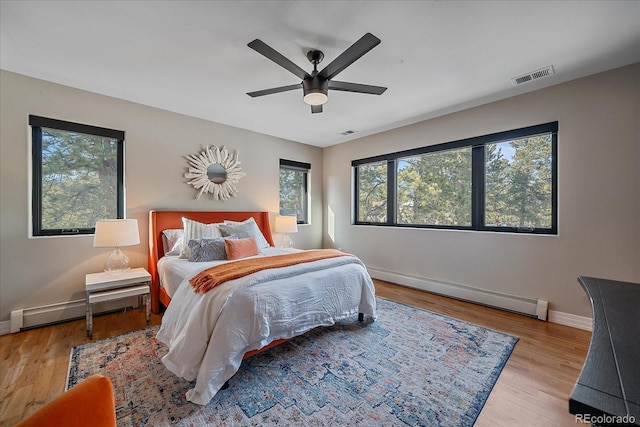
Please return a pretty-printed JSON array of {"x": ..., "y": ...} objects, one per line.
[{"x": 360, "y": 317}]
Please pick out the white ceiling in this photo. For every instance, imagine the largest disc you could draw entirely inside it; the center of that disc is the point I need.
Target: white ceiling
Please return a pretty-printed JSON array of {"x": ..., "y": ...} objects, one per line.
[{"x": 436, "y": 57}]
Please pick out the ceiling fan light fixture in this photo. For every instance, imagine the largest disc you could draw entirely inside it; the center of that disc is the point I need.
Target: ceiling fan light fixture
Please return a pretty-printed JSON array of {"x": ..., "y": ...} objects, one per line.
[
  {"x": 315, "y": 98},
  {"x": 316, "y": 91}
]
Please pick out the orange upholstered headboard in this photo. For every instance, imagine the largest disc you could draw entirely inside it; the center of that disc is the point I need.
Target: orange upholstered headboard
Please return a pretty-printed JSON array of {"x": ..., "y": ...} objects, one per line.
[{"x": 163, "y": 220}]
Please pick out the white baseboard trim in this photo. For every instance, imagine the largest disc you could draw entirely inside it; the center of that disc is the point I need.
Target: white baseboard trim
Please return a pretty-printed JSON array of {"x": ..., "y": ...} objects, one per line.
[
  {"x": 75, "y": 309},
  {"x": 5, "y": 327},
  {"x": 529, "y": 306},
  {"x": 47, "y": 314},
  {"x": 567, "y": 319},
  {"x": 27, "y": 318}
]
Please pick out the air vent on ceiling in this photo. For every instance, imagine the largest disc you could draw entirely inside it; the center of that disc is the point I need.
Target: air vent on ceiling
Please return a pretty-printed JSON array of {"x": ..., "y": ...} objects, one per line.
[
  {"x": 348, "y": 132},
  {"x": 534, "y": 75}
]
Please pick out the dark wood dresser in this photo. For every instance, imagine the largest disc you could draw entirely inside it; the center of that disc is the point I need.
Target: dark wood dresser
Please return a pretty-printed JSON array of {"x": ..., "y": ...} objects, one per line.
[{"x": 608, "y": 389}]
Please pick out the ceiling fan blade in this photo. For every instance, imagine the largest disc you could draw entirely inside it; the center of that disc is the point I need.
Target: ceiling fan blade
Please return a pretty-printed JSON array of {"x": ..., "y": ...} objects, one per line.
[
  {"x": 316, "y": 108},
  {"x": 356, "y": 87},
  {"x": 270, "y": 53},
  {"x": 349, "y": 56},
  {"x": 274, "y": 90}
]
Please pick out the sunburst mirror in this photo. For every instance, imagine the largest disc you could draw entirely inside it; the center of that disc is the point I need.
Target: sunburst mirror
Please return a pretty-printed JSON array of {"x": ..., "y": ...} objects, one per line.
[{"x": 215, "y": 170}]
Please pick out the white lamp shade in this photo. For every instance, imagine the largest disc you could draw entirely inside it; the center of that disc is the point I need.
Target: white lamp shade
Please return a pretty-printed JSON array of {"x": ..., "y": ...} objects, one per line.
[
  {"x": 286, "y": 224},
  {"x": 116, "y": 233}
]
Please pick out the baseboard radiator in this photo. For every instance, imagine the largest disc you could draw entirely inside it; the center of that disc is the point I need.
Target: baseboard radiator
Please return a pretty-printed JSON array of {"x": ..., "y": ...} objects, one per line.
[
  {"x": 528, "y": 306},
  {"x": 33, "y": 317}
]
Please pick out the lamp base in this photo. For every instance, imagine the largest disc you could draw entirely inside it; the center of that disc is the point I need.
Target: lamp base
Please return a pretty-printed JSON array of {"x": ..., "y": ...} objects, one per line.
[
  {"x": 117, "y": 262},
  {"x": 286, "y": 242}
]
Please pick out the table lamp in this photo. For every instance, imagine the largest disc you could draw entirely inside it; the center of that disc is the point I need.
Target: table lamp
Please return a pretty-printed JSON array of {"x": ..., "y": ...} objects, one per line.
[
  {"x": 115, "y": 233},
  {"x": 286, "y": 225}
]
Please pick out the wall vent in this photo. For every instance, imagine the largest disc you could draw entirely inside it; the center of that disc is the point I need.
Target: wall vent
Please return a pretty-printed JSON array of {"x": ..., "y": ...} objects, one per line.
[{"x": 534, "y": 75}]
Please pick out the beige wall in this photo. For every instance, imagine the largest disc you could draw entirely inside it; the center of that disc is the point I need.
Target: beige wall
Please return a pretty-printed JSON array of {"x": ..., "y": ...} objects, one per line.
[
  {"x": 41, "y": 271},
  {"x": 599, "y": 191},
  {"x": 599, "y": 197}
]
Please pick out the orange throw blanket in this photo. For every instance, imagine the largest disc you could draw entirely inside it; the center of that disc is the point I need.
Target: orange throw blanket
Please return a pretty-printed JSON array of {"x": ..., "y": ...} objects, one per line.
[{"x": 216, "y": 275}]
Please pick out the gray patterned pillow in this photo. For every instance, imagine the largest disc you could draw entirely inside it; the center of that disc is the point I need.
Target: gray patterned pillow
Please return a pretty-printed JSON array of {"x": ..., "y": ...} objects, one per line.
[
  {"x": 244, "y": 229},
  {"x": 202, "y": 250}
]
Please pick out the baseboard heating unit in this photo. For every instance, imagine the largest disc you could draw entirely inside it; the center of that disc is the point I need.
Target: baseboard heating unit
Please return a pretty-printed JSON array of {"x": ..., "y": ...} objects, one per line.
[
  {"x": 528, "y": 306},
  {"x": 27, "y": 318}
]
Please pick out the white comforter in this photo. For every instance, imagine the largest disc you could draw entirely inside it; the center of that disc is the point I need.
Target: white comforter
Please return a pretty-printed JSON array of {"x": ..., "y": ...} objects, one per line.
[{"x": 208, "y": 334}]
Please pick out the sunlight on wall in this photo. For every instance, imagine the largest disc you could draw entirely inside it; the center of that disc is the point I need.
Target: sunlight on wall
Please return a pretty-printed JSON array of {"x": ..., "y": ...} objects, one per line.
[{"x": 331, "y": 218}]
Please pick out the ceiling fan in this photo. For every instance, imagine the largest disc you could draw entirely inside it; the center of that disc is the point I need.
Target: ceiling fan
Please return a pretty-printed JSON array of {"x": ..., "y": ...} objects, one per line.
[{"x": 316, "y": 85}]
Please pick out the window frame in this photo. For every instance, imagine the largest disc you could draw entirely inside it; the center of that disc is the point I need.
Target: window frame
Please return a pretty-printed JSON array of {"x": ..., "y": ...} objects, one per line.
[
  {"x": 298, "y": 167},
  {"x": 36, "y": 123},
  {"x": 477, "y": 145}
]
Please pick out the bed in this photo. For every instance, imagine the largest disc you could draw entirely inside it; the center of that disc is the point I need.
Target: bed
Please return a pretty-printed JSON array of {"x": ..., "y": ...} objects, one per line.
[{"x": 208, "y": 334}]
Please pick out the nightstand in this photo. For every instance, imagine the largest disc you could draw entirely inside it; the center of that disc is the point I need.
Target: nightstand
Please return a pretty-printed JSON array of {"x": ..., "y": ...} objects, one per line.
[{"x": 110, "y": 286}]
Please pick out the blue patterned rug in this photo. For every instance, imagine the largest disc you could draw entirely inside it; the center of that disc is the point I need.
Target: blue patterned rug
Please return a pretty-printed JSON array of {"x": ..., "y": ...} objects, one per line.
[{"x": 410, "y": 367}]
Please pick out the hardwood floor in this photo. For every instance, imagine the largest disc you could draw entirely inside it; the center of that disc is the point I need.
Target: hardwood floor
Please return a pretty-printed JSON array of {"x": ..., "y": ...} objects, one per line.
[
  {"x": 34, "y": 363},
  {"x": 533, "y": 388}
]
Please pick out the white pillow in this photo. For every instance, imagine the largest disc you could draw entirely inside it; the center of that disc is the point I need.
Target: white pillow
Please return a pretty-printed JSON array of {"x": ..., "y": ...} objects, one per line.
[
  {"x": 176, "y": 249},
  {"x": 196, "y": 230},
  {"x": 172, "y": 241},
  {"x": 244, "y": 229}
]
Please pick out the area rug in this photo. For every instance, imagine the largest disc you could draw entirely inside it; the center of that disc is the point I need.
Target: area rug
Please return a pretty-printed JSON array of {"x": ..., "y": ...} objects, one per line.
[{"x": 409, "y": 367}]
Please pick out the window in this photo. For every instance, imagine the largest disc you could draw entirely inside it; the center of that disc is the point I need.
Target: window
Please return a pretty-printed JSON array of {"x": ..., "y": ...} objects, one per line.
[
  {"x": 519, "y": 183},
  {"x": 499, "y": 182},
  {"x": 77, "y": 176},
  {"x": 435, "y": 188},
  {"x": 294, "y": 193},
  {"x": 372, "y": 192}
]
